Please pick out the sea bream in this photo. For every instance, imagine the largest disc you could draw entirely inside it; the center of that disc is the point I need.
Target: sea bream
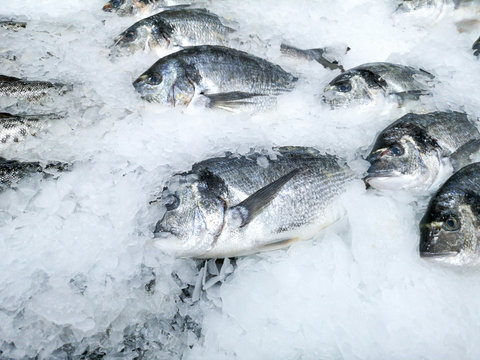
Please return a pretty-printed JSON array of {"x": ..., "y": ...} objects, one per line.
[
  {"x": 238, "y": 205},
  {"x": 368, "y": 82},
  {"x": 224, "y": 77},
  {"x": 418, "y": 151},
  {"x": 450, "y": 229},
  {"x": 132, "y": 7},
  {"x": 30, "y": 90},
  {"x": 173, "y": 28}
]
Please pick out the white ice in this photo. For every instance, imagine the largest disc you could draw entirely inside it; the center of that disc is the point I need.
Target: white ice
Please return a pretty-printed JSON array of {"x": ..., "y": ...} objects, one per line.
[{"x": 78, "y": 274}]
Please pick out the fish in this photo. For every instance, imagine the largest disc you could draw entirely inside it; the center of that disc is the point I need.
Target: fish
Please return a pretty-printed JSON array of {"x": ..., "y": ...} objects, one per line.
[
  {"x": 368, "y": 82},
  {"x": 133, "y": 7},
  {"x": 237, "y": 205},
  {"x": 226, "y": 78},
  {"x": 327, "y": 57},
  {"x": 30, "y": 90},
  {"x": 173, "y": 28},
  {"x": 12, "y": 171},
  {"x": 439, "y": 5},
  {"x": 14, "y": 128},
  {"x": 416, "y": 151},
  {"x": 12, "y": 25},
  {"x": 450, "y": 228}
]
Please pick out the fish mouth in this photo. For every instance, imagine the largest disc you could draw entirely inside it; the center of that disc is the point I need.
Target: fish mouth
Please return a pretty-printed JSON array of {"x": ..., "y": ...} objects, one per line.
[{"x": 107, "y": 7}]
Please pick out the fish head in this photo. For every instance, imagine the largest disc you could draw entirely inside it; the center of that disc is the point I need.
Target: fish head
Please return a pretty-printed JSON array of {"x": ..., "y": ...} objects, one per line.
[
  {"x": 403, "y": 158},
  {"x": 194, "y": 214},
  {"x": 137, "y": 37},
  {"x": 166, "y": 83},
  {"x": 353, "y": 86},
  {"x": 121, "y": 7},
  {"x": 450, "y": 230}
]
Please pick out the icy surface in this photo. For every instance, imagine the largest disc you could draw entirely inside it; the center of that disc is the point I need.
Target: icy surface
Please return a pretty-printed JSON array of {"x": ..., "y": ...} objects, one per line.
[{"x": 79, "y": 277}]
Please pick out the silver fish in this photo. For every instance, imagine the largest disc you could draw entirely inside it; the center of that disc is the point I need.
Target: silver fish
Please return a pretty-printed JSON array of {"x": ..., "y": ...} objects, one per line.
[
  {"x": 450, "y": 229},
  {"x": 226, "y": 78},
  {"x": 238, "y": 205},
  {"x": 12, "y": 25},
  {"x": 170, "y": 28},
  {"x": 439, "y": 5},
  {"x": 416, "y": 150},
  {"x": 12, "y": 171},
  {"x": 14, "y": 128},
  {"x": 365, "y": 83},
  {"x": 30, "y": 90},
  {"x": 327, "y": 57},
  {"x": 132, "y": 7}
]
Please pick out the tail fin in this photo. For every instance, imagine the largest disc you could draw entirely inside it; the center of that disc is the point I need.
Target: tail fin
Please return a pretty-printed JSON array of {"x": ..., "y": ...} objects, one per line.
[{"x": 324, "y": 56}]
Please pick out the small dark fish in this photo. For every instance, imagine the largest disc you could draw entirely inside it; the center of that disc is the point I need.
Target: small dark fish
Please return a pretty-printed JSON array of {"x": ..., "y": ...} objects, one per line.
[
  {"x": 327, "y": 57},
  {"x": 12, "y": 25},
  {"x": 12, "y": 171},
  {"x": 30, "y": 90},
  {"x": 14, "y": 128},
  {"x": 450, "y": 229},
  {"x": 368, "y": 82},
  {"x": 227, "y": 78},
  {"x": 413, "y": 152},
  {"x": 132, "y": 7},
  {"x": 238, "y": 205},
  {"x": 173, "y": 27}
]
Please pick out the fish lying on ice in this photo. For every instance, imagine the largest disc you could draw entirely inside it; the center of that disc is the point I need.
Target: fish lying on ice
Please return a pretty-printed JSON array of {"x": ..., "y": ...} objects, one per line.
[
  {"x": 237, "y": 205},
  {"x": 171, "y": 28},
  {"x": 132, "y": 7},
  {"x": 366, "y": 83},
  {"x": 12, "y": 171},
  {"x": 14, "y": 128},
  {"x": 327, "y": 57},
  {"x": 31, "y": 90},
  {"x": 226, "y": 78},
  {"x": 450, "y": 229},
  {"x": 12, "y": 25},
  {"x": 416, "y": 150}
]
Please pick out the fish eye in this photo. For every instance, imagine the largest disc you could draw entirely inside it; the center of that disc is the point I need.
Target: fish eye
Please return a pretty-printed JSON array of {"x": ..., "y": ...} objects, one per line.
[
  {"x": 451, "y": 223},
  {"x": 116, "y": 3},
  {"x": 344, "y": 86},
  {"x": 397, "y": 150},
  {"x": 130, "y": 35},
  {"x": 154, "y": 79},
  {"x": 172, "y": 202}
]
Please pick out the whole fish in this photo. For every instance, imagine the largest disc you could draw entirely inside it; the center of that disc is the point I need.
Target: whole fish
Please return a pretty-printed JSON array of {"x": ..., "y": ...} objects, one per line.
[
  {"x": 12, "y": 171},
  {"x": 173, "y": 27},
  {"x": 132, "y": 7},
  {"x": 450, "y": 229},
  {"x": 226, "y": 78},
  {"x": 416, "y": 150},
  {"x": 365, "y": 83},
  {"x": 31, "y": 90},
  {"x": 238, "y": 205},
  {"x": 14, "y": 128}
]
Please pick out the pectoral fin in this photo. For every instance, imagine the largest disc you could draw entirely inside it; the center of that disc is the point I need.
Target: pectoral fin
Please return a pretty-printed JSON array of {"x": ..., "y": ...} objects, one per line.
[
  {"x": 231, "y": 100},
  {"x": 411, "y": 95},
  {"x": 461, "y": 157},
  {"x": 249, "y": 208}
]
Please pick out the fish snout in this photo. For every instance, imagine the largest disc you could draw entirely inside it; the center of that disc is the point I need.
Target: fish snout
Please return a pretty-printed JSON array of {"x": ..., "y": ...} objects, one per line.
[
  {"x": 107, "y": 7},
  {"x": 139, "y": 82}
]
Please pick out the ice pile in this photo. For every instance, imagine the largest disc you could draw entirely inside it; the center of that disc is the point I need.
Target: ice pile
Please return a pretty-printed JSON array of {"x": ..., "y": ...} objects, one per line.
[{"x": 79, "y": 277}]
